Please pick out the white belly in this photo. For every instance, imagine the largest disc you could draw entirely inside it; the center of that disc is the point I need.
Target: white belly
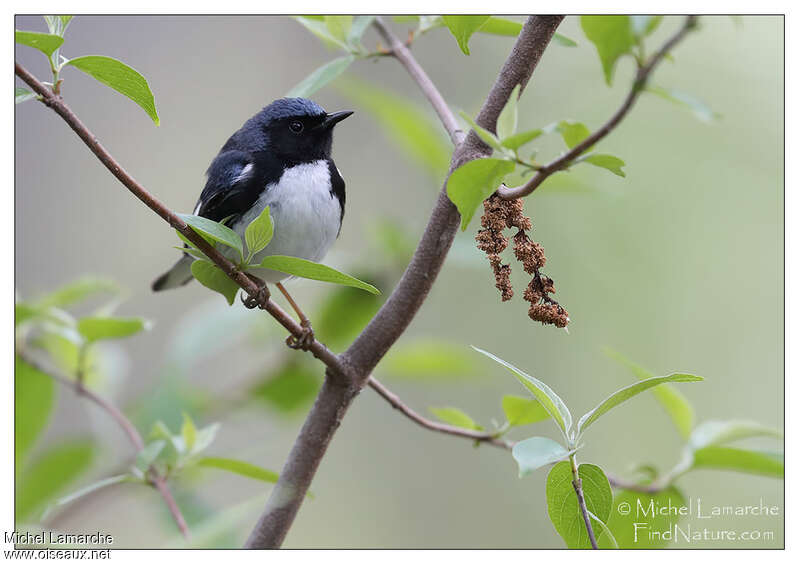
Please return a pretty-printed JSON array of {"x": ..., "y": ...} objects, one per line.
[{"x": 305, "y": 214}]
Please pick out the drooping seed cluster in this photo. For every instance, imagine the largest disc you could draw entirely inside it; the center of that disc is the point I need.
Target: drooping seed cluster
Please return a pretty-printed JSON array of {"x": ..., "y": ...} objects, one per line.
[{"x": 502, "y": 214}]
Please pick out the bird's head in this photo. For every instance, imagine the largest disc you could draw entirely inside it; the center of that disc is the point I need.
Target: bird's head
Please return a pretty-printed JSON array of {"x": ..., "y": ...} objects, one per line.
[{"x": 299, "y": 129}]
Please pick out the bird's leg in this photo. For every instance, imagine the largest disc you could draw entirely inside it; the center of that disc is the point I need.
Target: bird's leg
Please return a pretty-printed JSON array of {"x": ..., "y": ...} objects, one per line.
[
  {"x": 306, "y": 338},
  {"x": 258, "y": 299}
]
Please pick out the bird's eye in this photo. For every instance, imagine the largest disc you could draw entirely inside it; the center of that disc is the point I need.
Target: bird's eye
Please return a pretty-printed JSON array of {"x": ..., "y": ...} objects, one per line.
[{"x": 296, "y": 127}]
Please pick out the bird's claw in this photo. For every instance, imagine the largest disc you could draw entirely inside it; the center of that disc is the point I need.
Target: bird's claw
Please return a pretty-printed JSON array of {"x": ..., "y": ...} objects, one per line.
[
  {"x": 259, "y": 299},
  {"x": 304, "y": 340}
]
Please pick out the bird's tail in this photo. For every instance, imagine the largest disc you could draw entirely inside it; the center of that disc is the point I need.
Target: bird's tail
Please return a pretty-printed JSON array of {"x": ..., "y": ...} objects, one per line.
[{"x": 178, "y": 275}]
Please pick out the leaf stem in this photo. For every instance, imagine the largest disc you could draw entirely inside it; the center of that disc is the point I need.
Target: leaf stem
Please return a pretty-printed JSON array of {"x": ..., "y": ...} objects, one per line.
[{"x": 577, "y": 484}]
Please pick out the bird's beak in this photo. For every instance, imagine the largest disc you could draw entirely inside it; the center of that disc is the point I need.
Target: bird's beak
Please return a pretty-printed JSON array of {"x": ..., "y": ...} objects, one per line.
[{"x": 333, "y": 119}]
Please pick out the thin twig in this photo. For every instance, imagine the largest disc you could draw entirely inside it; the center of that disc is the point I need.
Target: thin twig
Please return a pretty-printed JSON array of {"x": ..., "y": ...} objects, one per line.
[
  {"x": 401, "y": 52},
  {"x": 652, "y": 488},
  {"x": 56, "y": 103},
  {"x": 639, "y": 83},
  {"x": 577, "y": 484},
  {"x": 394, "y": 400},
  {"x": 130, "y": 430}
]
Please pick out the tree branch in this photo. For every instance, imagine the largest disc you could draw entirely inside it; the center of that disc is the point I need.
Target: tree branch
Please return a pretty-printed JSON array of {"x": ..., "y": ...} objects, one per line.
[
  {"x": 577, "y": 484},
  {"x": 564, "y": 161},
  {"x": 57, "y": 104},
  {"x": 478, "y": 436},
  {"x": 130, "y": 430},
  {"x": 402, "y": 53},
  {"x": 401, "y": 307}
]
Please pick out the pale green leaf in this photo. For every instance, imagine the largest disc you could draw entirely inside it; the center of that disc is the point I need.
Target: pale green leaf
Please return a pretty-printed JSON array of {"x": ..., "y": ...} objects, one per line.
[
  {"x": 239, "y": 467},
  {"x": 121, "y": 78},
  {"x": 564, "y": 41},
  {"x": 23, "y": 94},
  {"x": 516, "y": 141},
  {"x": 34, "y": 396},
  {"x": 47, "y": 43},
  {"x": 699, "y": 108},
  {"x": 57, "y": 25},
  {"x": 338, "y": 26},
  {"x": 735, "y": 459},
  {"x": 500, "y": 26},
  {"x": 642, "y": 26},
  {"x": 507, "y": 120},
  {"x": 88, "y": 489},
  {"x": 320, "y": 77},
  {"x": 188, "y": 432},
  {"x": 454, "y": 417},
  {"x": 563, "y": 507},
  {"x": 628, "y": 392},
  {"x": 318, "y": 27},
  {"x": 717, "y": 432},
  {"x": 309, "y": 270},
  {"x": 543, "y": 393},
  {"x": 612, "y": 37},
  {"x": 573, "y": 132},
  {"x": 215, "y": 230},
  {"x": 473, "y": 182},
  {"x": 95, "y": 328},
  {"x": 486, "y": 136},
  {"x": 462, "y": 28},
  {"x": 357, "y": 29},
  {"x": 522, "y": 411},
  {"x": 259, "y": 232},
  {"x": 77, "y": 291},
  {"x": 535, "y": 452},
  {"x": 608, "y": 162},
  {"x": 211, "y": 276}
]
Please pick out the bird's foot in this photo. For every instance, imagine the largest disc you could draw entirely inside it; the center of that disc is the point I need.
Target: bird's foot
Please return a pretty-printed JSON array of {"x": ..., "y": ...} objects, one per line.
[
  {"x": 304, "y": 340},
  {"x": 259, "y": 299}
]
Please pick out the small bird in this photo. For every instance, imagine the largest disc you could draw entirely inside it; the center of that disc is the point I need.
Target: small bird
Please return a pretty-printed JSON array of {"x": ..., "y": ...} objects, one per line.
[{"x": 280, "y": 158}]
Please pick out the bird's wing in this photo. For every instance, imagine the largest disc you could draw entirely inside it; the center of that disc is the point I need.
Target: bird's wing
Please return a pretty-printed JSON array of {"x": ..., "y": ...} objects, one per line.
[{"x": 231, "y": 188}]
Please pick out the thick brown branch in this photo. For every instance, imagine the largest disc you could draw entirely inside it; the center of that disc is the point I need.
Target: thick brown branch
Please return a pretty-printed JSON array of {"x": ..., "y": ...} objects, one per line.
[
  {"x": 394, "y": 400},
  {"x": 565, "y": 160},
  {"x": 401, "y": 307},
  {"x": 130, "y": 430},
  {"x": 57, "y": 104}
]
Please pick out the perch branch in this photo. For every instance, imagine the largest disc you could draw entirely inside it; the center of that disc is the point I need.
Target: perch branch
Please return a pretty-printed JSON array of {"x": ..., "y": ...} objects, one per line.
[
  {"x": 577, "y": 484},
  {"x": 639, "y": 82},
  {"x": 130, "y": 430}
]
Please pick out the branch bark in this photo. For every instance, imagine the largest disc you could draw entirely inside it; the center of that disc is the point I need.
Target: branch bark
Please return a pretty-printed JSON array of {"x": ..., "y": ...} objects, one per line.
[
  {"x": 401, "y": 307},
  {"x": 130, "y": 430},
  {"x": 564, "y": 161}
]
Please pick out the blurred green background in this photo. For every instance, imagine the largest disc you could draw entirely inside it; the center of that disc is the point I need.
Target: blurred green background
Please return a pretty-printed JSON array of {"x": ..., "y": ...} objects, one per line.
[{"x": 679, "y": 266}]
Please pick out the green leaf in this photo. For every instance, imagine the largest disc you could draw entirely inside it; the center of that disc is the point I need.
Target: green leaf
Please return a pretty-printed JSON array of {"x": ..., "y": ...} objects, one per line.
[
  {"x": 77, "y": 291},
  {"x": 338, "y": 26},
  {"x": 188, "y": 431},
  {"x": 671, "y": 399},
  {"x": 516, "y": 141},
  {"x": 57, "y": 25},
  {"x": 473, "y": 182},
  {"x": 716, "y": 432},
  {"x": 97, "y": 328},
  {"x": 23, "y": 94},
  {"x": 211, "y": 276},
  {"x": 642, "y": 26},
  {"x": 562, "y": 502},
  {"x": 628, "y": 392},
  {"x": 573, "y": 132},
  {"x": 612, "y": 37},
  {"x": 49, "y": 474},
  {"x": 507, "y": 120},
  {"x": 121, "y": 78},
  {"x": 205, "y": 437},
  {"x": 47, "y": 43},
  {"x": 609, "y": 162},
  {"x": 454, "y": 417},
  {"x": 290, "y": 388},
  {"x": 631, "y": 527},
  {"x": 34, "y": 396},
  {"x": 522, "y": 411},
  {"x": 150, "y": 452},
  {"x": 196, "y": 253},
  {"x": 240, "y": 468},
  {"x": 320, "y": 77},
  {"x": 486, "y": 136},
  {"x": 216, "y": 231},
  {"x": 259, "y": 232},
  {"x": 604, "y": 529},
  {"x": 564, "y": 41},
  {"x": 427, "y": 359},
  {"x": 500, "y": 26},
  {"x": 357, "y": 29},
  {"x": 698, "y": 107},
  {"x": 462, "y": 28},
  {"x": 407, "y": 125},
  {"x": 315, "y": 271},
  {"x": 88, "y": 489},
  {"x": 735, "y": 459},
  {"x": 536, "y": 452},
  {"x": 319, "y": 27},
  {"x": 543, "y": 393}
]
